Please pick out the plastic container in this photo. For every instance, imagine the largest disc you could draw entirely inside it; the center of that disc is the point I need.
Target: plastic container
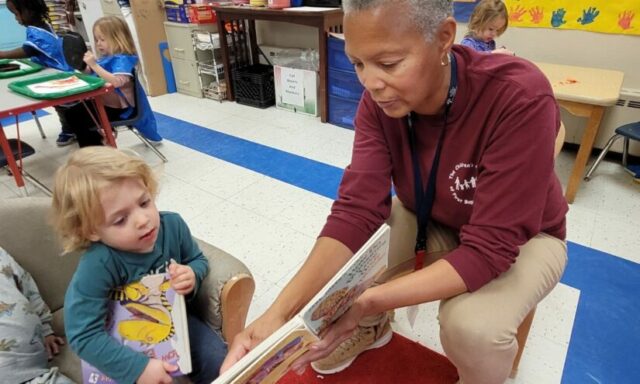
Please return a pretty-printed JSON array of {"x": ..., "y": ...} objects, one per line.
[
  {"x": 344, "y": 84},
  {"x": 279, "y": 4},
  {"x": 258, "y": 3},
  {"x": 296, "y": 3},
  {"x": 254, "y": 85},
  {"x": 202, "y": 14},
  {"x": 25, "y": 67},
  {"x": 177, "y": 12},
  {"x": 342, "y": 112},
  {"x": 22, "y": 86},
  {"x": 336, "y": 57}
]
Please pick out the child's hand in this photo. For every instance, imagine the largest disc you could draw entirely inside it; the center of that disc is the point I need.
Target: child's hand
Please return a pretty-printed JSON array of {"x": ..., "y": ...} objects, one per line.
[
  {"x": 156, "y": 372},
  {"x": 52, "y": 343},
  {"x": 89, "y": 58},
  {"x": 183, "y": 280}
]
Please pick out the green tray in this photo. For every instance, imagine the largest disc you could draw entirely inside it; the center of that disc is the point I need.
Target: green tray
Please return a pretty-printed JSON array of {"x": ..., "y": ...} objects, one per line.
[
  {"x": 22, "y": 86},
  {"x": 33, "y": 67}
]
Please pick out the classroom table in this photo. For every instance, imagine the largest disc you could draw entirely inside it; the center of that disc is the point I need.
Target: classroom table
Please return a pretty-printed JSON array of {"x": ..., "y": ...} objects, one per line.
[
  {"x": 325, "y": 20},
  {"x": 584, "y": 92},
  {"x": 13, "y": 104}
]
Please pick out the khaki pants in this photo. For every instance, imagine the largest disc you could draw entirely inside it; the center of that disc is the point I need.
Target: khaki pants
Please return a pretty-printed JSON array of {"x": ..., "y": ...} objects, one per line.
[{"x": 478, "y": 330}]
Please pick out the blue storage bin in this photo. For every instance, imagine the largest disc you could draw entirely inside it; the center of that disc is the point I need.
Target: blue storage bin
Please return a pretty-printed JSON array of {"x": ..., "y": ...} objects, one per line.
[
  {"x": 336, "y": 56},
  {"x": 344, "y": 84},
  {"x": 342, "y": 112}
]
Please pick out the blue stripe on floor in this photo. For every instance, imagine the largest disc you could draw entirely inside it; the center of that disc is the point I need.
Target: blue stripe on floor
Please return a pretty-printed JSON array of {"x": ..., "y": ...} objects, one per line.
[
  {"x": 304, "y": 173},
  {"x": 11, "y": 120},
  {"x": 606, "y": 332}
]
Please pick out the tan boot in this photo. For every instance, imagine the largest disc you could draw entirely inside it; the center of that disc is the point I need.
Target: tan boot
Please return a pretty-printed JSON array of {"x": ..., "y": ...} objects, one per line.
[{"x": 373, "y": 332}]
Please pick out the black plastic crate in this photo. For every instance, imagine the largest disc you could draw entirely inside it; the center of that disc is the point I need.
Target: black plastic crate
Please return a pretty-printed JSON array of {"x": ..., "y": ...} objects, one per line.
[{"x": 254, "y": 85}]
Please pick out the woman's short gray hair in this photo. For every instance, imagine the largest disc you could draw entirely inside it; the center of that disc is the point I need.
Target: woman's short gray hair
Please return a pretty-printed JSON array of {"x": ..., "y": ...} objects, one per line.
[{"x": 425, "y": 14}]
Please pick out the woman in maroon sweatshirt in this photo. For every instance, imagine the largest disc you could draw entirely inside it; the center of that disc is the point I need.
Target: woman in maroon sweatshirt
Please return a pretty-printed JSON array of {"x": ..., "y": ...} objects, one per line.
[{"x": 479, "y": 130}]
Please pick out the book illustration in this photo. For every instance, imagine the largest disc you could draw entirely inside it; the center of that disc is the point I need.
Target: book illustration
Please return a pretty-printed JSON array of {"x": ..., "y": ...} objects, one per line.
[
  {"x": 58, "y": 85},
  {"x": 272, "y": 358},
  {"x": 149, "y": 317}
]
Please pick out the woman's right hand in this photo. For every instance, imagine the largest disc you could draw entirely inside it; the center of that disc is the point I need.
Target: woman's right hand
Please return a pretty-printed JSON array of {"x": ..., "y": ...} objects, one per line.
[
  {"x": 250, "y": 337},
  {"x": 156, "y": 372}
]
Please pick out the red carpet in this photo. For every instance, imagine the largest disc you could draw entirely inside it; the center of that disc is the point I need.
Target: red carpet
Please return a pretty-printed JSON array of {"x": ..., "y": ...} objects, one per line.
[{"x": 400, "y": 361}]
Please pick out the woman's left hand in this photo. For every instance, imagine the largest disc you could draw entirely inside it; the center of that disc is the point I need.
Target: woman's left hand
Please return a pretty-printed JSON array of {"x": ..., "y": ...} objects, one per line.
[
  {"x": 52, "y": 344},
  {"x": 338, "y": 332}
]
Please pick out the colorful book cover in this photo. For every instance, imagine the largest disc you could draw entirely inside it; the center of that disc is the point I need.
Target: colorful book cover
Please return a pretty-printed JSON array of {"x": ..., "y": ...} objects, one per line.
[
  {"x": 272, "y": 358},
  {"x": 147, "y": 316}
]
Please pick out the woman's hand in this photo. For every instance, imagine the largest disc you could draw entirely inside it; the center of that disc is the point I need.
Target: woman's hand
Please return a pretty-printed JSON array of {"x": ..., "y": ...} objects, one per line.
[
  {"x": 52, "y": 344},
  {"x": 89, "y": 58},
  {"x": 338, "y": 332},
  {"x": 246, "y": 340},
  {"x": 156, "y": 372},
  {"x": 183, "y": 279}
]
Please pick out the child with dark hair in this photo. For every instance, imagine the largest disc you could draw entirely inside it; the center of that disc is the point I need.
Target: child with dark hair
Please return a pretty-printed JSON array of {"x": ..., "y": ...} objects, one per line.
[{"x": 42, "y": 46}]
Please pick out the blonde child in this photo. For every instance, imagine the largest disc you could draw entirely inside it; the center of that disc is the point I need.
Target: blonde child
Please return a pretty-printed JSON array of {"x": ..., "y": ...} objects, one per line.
[
  {"x": 115, "y": 63},
  {"x": 103, "y": 204},
  {"x": 488, "y": 21}
]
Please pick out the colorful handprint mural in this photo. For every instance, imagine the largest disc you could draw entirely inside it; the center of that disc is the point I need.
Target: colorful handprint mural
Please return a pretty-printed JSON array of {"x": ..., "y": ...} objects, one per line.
[{"x": 606, "y": 16}]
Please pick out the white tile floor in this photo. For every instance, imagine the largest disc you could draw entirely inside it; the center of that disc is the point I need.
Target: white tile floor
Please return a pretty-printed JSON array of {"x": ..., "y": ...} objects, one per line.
[{"x": 271, "y": 225}]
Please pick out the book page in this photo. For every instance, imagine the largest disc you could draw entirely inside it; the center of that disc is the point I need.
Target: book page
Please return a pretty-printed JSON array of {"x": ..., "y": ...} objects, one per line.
[
  {"x": 264, "y": 357},
  {"x": 58, "y": 85},
  {"x": 345, "y": 287}
]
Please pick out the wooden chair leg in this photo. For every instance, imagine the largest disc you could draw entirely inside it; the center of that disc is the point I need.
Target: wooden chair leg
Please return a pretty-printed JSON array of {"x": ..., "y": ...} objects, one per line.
[{"x": 521, "y": 337}]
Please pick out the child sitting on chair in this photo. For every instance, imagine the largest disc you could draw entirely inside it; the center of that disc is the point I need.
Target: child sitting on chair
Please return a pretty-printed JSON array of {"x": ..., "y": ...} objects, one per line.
[
  {"x": 103, "y": 203},
  {"x": 42, "y": 46},
  {"x": 26, "y": 337},
  {"x": 116, "y": 64},
  {"x": 488, "y": 20}
]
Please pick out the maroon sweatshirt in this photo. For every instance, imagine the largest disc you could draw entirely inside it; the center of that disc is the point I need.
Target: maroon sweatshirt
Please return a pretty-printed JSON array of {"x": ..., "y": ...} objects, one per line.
[{"x": 495, "y": 184}]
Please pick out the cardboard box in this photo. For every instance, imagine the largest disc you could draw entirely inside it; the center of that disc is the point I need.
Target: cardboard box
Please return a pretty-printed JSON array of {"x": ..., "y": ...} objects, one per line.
[
  {"x": 149, "y": 17},
  {"x": 296, "y": 90}
]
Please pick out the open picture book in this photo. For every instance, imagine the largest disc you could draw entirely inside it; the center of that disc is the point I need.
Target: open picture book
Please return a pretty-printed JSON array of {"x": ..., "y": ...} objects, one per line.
[
  {"x": 273, "y": 357},
  {"x": 150, "y": 317}
]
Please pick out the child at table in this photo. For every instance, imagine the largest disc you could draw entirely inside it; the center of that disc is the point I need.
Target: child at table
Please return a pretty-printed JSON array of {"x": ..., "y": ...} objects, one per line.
[
  {"x": 104, "y": 205},
  {"x": 488, "y": 21},
  {"x": 116, "y": 63},
  {"x": 27, "y": 340},
  {"x": 42, "y": 46}
]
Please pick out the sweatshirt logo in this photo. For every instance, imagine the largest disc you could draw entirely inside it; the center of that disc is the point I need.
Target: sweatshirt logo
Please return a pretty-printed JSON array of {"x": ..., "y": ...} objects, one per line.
[{"x": 462, "y": 182}]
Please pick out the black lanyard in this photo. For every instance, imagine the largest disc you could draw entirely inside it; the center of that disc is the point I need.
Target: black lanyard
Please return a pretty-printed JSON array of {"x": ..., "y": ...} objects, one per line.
[{"x": 424, "y": 198}]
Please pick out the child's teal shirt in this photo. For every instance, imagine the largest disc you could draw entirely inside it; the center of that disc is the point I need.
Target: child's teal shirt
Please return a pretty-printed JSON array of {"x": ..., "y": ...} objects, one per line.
[{"x": 102, "y": 269}]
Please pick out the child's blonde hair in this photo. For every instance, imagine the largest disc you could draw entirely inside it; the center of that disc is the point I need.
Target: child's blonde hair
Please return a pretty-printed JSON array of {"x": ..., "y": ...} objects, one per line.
[
  {"x": 485, "y": 12},
  {"x": 76, "y": 208},
  {"x": 117, "y": 34}
]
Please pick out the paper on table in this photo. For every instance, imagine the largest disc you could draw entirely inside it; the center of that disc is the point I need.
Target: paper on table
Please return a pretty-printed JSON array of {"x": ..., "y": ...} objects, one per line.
[
  {"x": 58, "y": 85},
  {"x": 20, "y": 63}
]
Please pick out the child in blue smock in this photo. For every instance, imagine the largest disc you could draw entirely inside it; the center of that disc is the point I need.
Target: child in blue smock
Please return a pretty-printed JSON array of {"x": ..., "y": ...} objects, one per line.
[
  {"x": 116, "y": 64},
  {"x": 42, "y": 46}
]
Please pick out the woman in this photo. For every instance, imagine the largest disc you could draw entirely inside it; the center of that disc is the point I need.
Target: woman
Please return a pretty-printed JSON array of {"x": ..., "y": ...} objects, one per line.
[{"x": 485, "y": 125}]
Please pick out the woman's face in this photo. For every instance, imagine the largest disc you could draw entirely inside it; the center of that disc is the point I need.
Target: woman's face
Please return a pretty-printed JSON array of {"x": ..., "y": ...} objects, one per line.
[{"x": 400, "y": 69}]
